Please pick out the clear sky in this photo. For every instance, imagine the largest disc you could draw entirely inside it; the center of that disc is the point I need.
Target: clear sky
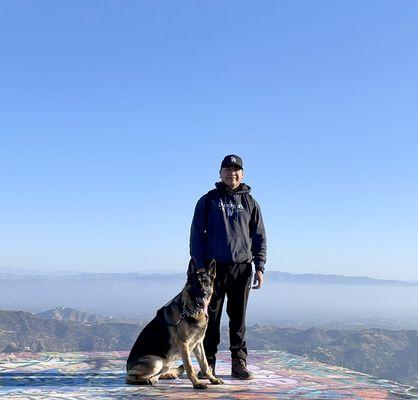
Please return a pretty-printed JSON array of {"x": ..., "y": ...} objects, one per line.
[{"x": 115, "y": 117}]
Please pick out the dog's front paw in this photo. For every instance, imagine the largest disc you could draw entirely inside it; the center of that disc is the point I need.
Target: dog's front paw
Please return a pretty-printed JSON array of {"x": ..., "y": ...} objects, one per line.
[
  {"x": 200, "y": 385},
  {"x": 217, "y": 381}
]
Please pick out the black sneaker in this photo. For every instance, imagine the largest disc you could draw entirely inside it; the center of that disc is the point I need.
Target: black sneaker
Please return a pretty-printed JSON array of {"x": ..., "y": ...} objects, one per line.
[
  {"x": 239, "y": 369},
  {"x": 211, "y": 363}
]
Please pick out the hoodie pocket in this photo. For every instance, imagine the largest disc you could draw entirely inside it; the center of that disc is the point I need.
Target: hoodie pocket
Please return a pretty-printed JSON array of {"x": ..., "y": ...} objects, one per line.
[{"x": 237, "y": 248}]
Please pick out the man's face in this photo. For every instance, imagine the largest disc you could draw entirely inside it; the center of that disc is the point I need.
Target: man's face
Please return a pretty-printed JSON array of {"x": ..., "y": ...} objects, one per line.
[{"x": 231, "y": 176}]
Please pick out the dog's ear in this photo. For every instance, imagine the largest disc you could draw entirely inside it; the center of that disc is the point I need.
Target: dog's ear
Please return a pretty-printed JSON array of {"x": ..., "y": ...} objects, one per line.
[
  {"x": 212, "y": 268},
  {"x": 192, "y": 266}
]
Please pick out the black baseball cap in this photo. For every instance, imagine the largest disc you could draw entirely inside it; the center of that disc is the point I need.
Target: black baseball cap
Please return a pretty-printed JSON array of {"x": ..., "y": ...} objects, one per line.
[{"x": 232, "y": 160}]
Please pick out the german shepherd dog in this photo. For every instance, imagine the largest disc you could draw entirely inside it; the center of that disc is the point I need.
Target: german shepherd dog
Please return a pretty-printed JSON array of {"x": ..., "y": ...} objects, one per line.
[{"x": 178, "y": 329}]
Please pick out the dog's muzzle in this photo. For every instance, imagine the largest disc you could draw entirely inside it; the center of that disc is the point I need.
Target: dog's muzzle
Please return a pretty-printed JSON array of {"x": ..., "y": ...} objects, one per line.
[{"x": 203, "y": 303}]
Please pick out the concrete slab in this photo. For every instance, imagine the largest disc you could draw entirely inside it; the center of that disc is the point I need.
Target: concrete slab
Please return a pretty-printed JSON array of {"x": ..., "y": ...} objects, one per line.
[{"x": 97, "y": 376}]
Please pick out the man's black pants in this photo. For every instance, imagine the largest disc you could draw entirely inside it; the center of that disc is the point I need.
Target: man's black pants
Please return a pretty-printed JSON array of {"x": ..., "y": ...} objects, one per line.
[{"x": 234, "y": 281}]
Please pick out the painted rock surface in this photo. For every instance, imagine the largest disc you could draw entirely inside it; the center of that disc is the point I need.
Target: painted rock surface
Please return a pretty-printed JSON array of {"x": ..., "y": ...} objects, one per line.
[{"x": 278, "y": 375}]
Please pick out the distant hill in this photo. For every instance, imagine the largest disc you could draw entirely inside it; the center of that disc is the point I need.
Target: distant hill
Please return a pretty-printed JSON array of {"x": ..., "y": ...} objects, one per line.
[
  {"x": 69, "y": 314},
  {"x": 81, "y": 317},
  {"x": 276, "y": 276},
  {"x": 287, "y": 277},
  {"x": 383, "y": 353},
  {"x": 23, "y": 331}
]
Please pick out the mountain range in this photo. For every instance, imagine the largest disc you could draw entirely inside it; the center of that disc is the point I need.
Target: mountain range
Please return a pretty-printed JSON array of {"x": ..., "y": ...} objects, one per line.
[{"x": 275, "y": 276}]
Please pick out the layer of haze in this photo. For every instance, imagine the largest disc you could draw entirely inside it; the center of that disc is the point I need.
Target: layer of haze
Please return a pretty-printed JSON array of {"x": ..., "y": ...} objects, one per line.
[
  {"x": 115, "y": 117},
  {"x": 310, "y": 304}
]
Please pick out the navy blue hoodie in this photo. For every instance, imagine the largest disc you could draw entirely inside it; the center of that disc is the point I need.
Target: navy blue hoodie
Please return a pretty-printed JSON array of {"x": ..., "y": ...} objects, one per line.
[{"x": 228, "y": 226}]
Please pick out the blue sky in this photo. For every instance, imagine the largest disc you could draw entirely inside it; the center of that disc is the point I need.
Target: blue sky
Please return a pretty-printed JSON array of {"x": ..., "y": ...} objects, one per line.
[{"x": 115, "y": 117}]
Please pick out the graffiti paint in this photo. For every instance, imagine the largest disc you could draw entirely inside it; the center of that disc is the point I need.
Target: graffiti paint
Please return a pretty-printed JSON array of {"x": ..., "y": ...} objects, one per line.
[{"x": 98, "y": 376}]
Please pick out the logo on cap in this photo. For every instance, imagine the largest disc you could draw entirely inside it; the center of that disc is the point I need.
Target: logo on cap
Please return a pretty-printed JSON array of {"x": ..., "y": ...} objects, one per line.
[{"x": 233, "y": 159}]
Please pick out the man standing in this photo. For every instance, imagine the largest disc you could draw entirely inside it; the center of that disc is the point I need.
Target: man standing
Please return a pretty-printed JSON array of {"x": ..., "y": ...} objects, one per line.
[{"x": 227, "y": 226}]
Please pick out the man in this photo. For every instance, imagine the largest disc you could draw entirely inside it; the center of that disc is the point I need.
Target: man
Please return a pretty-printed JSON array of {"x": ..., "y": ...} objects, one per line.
[{"x": 227, "y": 226}]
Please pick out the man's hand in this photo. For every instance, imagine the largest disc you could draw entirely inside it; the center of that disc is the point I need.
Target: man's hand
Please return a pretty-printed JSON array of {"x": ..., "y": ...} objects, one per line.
[{"x": 258, "y": 280}]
